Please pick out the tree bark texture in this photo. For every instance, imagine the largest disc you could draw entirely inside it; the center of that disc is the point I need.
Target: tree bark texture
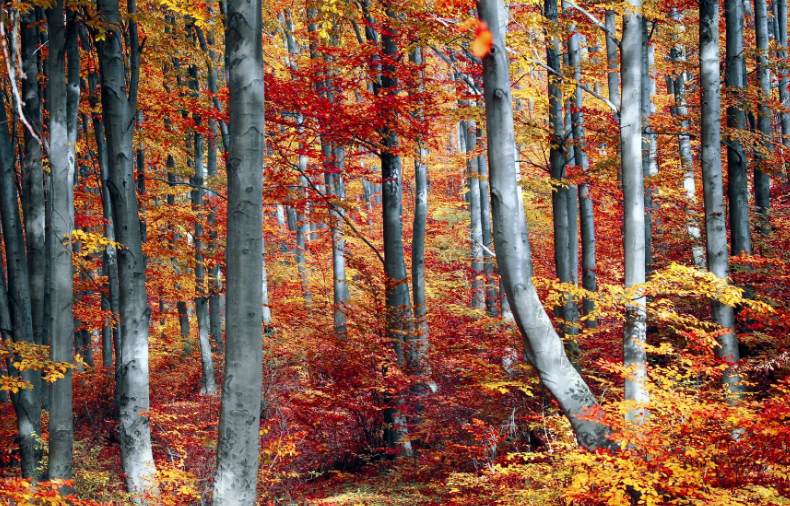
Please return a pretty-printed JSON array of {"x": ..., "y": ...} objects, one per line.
[
  {"x": 118, "y": 110},
  {"x": 635, "y": 329},
  {"x": 237, "y": 452},
  {"x": 712, "y": 180},
  {"x": 735, "y": 81},
  {"x": 475, "y": 225},
  {"x": 542, "y": 346},
  {"x": 762, "y": 179}
]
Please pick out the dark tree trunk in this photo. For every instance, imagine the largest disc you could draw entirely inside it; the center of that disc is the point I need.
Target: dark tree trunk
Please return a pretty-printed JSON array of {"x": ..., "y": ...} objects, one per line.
[{"x": 119, "y": 99}]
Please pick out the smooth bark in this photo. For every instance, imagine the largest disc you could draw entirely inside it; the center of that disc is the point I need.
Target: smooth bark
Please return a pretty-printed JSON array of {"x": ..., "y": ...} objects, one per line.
[
  {"x": 712, "y": 181},
  {"x": 542, "y": 345},
  {"x": 762, "y": 179},
  {"x": 119, "y": 100},
  {"x": 735, "y": 81},
  {"x": 635, "y": 329},
  {"x": 237, "y": 451},
  {"x": 475, "y": 222}
]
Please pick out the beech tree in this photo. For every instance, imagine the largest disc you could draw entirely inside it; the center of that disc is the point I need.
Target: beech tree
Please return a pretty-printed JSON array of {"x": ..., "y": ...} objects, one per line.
[{"x": 237, "y": 452}]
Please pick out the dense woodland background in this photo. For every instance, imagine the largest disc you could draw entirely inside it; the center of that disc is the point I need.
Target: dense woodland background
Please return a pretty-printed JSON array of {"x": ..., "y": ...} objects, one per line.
[{"x": 394, "y": 252}]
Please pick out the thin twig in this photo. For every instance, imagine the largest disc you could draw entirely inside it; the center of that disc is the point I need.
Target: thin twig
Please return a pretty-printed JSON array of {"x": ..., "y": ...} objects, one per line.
[{"x": 594, "y": 20}]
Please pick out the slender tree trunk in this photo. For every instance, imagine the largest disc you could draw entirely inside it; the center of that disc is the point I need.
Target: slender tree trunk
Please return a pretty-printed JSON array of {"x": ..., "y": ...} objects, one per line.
[
  {"x": 635, "y": 329},
  {"x": 334, "y": 185},
  {"x": 735, "y": 81},
  {"x": 542, "y": 345},
  {"x": 491, "y": 286},
  {"x": 784, "y": 91},
  {"x": 63, "y": 100},
  {"x": 27, "y": 402},
  {"x": 649, "y": 139},
  {"x": 676, "y": 86},
  {"x": 585, "y": 203},
  {"x": 712, "y": 183},
  {"x": 475, "y": 222},
  {"x": 302, "y": 235},
  {"x": 418, "y": 233},
  {"x": 561, "y": 193},
  {"x": 33, "y": 202},
  {"x": 762, "y": 180},
  {"x": 237, "y": 452},
  {"x": 118, "y": 110},
  {"x": 398, "y": 301}
]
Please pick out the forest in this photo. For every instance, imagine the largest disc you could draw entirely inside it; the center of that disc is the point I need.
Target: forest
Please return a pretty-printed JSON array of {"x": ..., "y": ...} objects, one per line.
[{"x": 394, "y": 252}]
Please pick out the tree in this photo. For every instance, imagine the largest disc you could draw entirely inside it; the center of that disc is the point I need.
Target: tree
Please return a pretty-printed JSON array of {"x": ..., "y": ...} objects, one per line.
[
  {"x": 542, "y": 346},
  {"x": 635, "y": 329},
  {"x": 712, "y": 181},
  {"x": 119, "y": 102},
  {"x": 237, "y": 452}
]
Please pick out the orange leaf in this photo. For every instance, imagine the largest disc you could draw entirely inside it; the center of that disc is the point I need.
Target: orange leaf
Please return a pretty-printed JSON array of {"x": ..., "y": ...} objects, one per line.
[{"x": 484, "y": 40}]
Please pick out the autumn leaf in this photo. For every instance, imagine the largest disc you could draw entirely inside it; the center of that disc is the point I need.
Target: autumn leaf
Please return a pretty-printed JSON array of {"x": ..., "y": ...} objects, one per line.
[{"x": 484, "y": 40}]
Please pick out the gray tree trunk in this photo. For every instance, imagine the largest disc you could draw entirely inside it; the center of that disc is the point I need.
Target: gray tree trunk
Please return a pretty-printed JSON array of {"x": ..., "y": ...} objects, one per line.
[
  {"x": 676, "y": 86},
  {"x": 63, "y": 101},
  {"x": 712, "y": 181},
  {"x": 542, "y": 345},
  {"x": 649, "y": 139},
  {"x": 418, "y": 231},
  {"x": 475, "y": 222},
  {"x": 491, "y": 285},
  {"x": 784, "y": 92},
  {"x": 762, "y": 180},
  {"x": 208, "y": 382},
  {"x": 735, "y": 81},
  {"x": 334, "y": 184},
  {"x": 237, "y": 451},
  {"x": 397, "y": 300},
  {"x": 119, "y": 101},
  {"x": 635, "y": 328},
  {"x": 585, "y": 203},
  {"x": 27, "y": 402},
  {"x": 559, "y": 155},
  {"x": 33, "y": 202},
  {"x": 302, "y": 235},
  {"x": 111, "y": 331}
]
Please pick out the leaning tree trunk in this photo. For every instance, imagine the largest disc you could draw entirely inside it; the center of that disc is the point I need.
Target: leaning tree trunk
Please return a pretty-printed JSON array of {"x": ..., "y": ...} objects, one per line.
[
  {"x": 118, "y": 111},
  {"x": 635, "y": 329},
  {"x": 712, "y": 181},
  {"x": 762, "y": 181},
  {"x": 27, "y": 402},
  {"x": 735, "y": 81},
  {"x": 63, "y": 100},
  {"x": 542, "y": 346},
  {"x": 237, "y": 452}
]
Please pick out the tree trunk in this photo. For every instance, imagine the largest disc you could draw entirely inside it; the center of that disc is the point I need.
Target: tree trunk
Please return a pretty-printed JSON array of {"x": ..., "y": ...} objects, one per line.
[
  {"x": 735, "y": 81},
  {"x": 63, "y": 100},
  {"x": 118, "y": 111},
  {"x": 491, "y": 285},
  {"x": 635, "y": 329},
  {"x": 334, "y": 184},
  {"x": 712, "y": 184},
  {"x": 237, "y": 452},
  {"x": 585, "y": 203},
  {"x": 762, "y": 180},
  {"x": 677, "y": 86},
  {"x": 784, "y": 92},
  {"x": 475, "y": 222},
  {"x": 558, "y": 159},
  {"x": 302, "y": 235},
  {"x": 27, "y": 402},
  {"x": 33, "y": 201},
  {"x": 542, "y": 345},
  {"x": 649, "y": 139}
]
